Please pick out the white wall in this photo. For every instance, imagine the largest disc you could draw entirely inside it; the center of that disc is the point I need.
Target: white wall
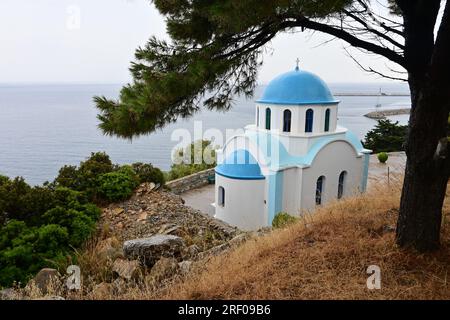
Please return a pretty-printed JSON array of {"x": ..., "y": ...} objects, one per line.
[
  {"x": 244, "y": 202},
  {"x": 292, "y": 189},
  {"x": 330, "y": 162}
]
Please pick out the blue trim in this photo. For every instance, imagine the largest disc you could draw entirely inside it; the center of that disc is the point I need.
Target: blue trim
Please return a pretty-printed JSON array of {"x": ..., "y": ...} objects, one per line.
[
  {"x": 275, "y": 196},
  {"x": 297, "y": 87},
  {"x": 276, "y": 155},
  {"x": 240, "y": 177},
  {"x": 365, "y": 174}
]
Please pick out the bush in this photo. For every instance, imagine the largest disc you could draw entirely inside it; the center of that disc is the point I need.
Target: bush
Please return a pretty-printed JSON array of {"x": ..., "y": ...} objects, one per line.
[
  {"x": 86, "y": 177},
  {"x": 118, "y": 185},
  {"x": 282, "y": 219},
  {"x": 185, "y": 159},
  {"x": 382, "y": 157},
  {"x": 148, "y": 173},
  {"x": 42, "y": 226},
  {"x": 386, "y": 137}
]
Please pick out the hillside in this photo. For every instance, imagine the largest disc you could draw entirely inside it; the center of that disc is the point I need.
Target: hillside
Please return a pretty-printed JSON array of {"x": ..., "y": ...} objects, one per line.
[{"x": 325, "y": 256}]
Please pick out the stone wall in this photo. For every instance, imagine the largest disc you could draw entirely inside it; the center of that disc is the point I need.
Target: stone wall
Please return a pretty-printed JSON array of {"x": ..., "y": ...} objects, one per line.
[{"x": 190, "y": 182}]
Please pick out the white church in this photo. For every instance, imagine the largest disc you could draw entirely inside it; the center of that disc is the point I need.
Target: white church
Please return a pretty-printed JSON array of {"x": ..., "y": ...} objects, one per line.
[{"x": 294, "y": 158}]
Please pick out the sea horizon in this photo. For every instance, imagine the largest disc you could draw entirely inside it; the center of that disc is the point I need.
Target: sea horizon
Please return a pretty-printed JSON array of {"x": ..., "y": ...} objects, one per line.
[{"x": 45, "y": 126}]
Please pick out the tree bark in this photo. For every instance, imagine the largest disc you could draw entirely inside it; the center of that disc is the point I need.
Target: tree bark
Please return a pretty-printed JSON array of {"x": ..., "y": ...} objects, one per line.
[{"x": 428, "y": 157}]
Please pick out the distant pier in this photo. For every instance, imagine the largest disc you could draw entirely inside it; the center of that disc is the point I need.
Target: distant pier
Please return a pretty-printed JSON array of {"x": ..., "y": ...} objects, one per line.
[
  {"x": 375, "y": 94},
  {"x": 382, "y": 114}
]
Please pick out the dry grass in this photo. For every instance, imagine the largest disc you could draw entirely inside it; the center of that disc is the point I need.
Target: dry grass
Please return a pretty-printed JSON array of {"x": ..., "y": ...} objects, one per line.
[{"x": 325, "y": 256}]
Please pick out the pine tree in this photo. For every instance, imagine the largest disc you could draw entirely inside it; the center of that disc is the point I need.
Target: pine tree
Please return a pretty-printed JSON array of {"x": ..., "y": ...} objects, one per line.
[{"x": 216, "y": 48}]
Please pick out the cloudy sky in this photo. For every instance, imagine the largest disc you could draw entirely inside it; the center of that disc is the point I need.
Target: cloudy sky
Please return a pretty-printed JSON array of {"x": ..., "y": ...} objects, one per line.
[{"x": 93, "y": 41}]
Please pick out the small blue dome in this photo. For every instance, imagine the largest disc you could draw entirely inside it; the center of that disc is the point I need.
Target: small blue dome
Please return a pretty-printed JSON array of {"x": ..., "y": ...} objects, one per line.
[
  {"x": 240, "y": 165},
  {"x": 297, "y": 87}
]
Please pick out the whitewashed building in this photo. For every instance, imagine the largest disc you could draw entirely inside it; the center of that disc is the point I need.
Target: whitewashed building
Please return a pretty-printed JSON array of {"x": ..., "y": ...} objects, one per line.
[{"x": 294, "y": 158}]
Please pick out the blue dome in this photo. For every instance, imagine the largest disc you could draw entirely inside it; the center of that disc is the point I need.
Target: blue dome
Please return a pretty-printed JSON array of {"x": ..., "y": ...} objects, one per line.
[
  {"x": 240, "y": 165},
  {"x": 297, "y": 87}
]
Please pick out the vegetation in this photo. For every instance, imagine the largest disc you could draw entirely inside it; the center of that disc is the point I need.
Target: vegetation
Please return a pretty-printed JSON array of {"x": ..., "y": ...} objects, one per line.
[
  {"x": 382, "y": 157},
  {"x": 282, "y": 219},
  {"x": 387, "y": 136},
  {"x": 198, "y": 156},
  {"x": 148, "y": 173},
  {"x": 118, "y": 185},
  {"x": 216, "y": 48},
  {"x": 40, "y": 226}
]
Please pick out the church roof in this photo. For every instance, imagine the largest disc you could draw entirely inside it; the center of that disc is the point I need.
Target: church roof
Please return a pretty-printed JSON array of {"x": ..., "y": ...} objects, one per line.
[
  {"x": 297, "y": 87},
  {"x": 240, "y": 165}
]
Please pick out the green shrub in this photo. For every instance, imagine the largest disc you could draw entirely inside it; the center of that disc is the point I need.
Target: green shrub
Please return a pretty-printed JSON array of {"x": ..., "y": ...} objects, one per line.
[
  {"x": 386, "y": 137},
  {"x": 118, "y": 185},
  {"x": 86, "y": 177},
  {"x": 282, "y": 219},
  {"x": 383, "y": 157},
  {"x": 185, "y": 159},
  {"x": 148, "y": 173},
  {"x": 69, "y": 176}
]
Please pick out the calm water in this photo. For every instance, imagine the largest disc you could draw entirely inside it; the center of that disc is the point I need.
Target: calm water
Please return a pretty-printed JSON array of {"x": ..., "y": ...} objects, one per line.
[{"x": 43, "y": 127}]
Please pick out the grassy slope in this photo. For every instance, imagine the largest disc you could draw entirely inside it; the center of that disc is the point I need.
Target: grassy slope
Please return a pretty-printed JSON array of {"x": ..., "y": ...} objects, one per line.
[{"x": 325, "y": 256}]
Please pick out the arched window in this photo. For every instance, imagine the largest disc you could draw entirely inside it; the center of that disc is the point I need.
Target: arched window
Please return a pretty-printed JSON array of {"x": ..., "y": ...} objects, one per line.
[
  {"x": 341, "y": 184},
  {"x": 309, "y": 120},
  {"x": 257, "y": 116},
  {"x": 319, "y": 189},
  {"x": 287, "y": 115},
  {"x": 327, "y": 120},
  {"x": 221, "y": 197},
  {"x": 268, "y": 113}
]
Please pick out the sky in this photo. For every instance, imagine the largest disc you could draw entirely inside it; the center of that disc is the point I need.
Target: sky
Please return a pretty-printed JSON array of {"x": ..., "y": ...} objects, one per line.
[{"x": 93, "y": 41}]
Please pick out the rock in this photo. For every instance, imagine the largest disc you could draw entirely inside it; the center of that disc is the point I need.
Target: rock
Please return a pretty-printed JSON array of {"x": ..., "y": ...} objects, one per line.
[
  {"x": 185, "y": 267},
  {"x": 143, "y": 216},
  {"x": 192, "y": 251},
  {"x": 172, "y": 230},
  {"x": 109, "y": 249},
  {"x": 149, "y": 250},
  {"x": 118, "y": 211},
  {"x": 164, "y": 268},
  {"x": 8, "y": 294},
  {"x": 128, "y": 270},
  {"x": 47, "y": 279},
  {"x": 102, "y": 290}
]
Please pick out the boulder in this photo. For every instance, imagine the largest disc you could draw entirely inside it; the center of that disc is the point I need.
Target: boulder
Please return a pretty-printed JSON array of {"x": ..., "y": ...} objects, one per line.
[
  {"x": 164, "y": 268},
  {"x": 46, "y": 279},
  {"x": 128, "y": 270},
  {"x": 150, "y": 250}
]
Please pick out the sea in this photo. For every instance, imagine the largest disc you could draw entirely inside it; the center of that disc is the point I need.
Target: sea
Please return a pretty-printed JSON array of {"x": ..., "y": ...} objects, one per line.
[{"x": 46, "y": 126}]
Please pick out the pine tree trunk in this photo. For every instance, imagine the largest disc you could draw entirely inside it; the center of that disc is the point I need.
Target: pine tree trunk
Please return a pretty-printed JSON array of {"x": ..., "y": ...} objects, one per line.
[{"x": 427, "y": 170}]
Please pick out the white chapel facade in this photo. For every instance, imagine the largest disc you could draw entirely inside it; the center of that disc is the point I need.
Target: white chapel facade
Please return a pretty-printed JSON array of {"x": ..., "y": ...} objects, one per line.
[{"x": 294, "y": 158}]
